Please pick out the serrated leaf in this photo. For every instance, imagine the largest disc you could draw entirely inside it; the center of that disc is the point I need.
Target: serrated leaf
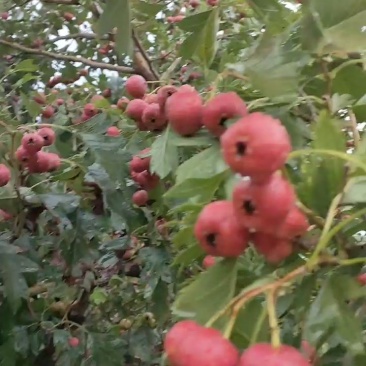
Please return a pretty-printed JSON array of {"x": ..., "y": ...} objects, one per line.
[{"x": 209, "y": 292}]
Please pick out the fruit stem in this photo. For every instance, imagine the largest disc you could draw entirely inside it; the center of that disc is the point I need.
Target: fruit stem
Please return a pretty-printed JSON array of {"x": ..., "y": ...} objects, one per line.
[
  {"x": 273, "y": 321},
  {"x": 231, "y": 323}
]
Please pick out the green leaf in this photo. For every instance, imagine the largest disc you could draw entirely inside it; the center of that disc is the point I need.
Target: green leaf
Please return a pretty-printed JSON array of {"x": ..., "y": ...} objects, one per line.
[
  {"x": 26, "y": 66},
  {"x": 330, "y": 27},
  {"x": 164, "y": 155},
  {"x": 356, "y": 191},
  {"x": 329, "y": 314},
  {"x": 99, "y": 296},
  {"x": 188, "y": 256},
  {"x": 117, "y": 14},
  {"x": 194, "y": 23},
  {"x": 209, "y": 293},
  {"x": 147, "y": 9},
  {"x": 205, "y": 164}
]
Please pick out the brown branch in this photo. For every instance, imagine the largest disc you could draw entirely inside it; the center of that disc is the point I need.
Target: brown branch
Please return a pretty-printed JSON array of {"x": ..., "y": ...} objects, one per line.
[
  {"x": 55, "y": 56},
  {"x": 62, "y": 2}
]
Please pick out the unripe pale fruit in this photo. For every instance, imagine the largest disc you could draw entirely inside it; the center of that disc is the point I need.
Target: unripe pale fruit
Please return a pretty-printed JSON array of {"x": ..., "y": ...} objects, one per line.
[
  {"x": 113, "y": 131},
  {"x": 218, "y": 231},
  {"x": 189, "y": 344},
  {"x": 135, "y": 109},
  {"x": 140, "y": 198},
  {"x": 295, "y": 225},
  {"x": 263, "y": 207},
  {"x": 48, "y": 135},
  {"x": 32, "y": 142},
  {"x": 184, "y": 112},
  {"x": 122, "y": 103},
  {"x": 153, "y": 118},
  {"x": 264, "y": 354},
  {"x": 208, "y": 261},
  {"x": 5, "y": 175},
  {"x": 74, "y": 342},
  {"x": 273, "y": 249},
  {"x": 151, "y": 98},
  {"x": 48, "y": 112},
  {"x": 257, "y": 145},
  {"x": 136, "y": 86},
  {"x": 164, "y": 93},
  {"x": 140, "y": 163},
  {"x": 221, "y": 108}
]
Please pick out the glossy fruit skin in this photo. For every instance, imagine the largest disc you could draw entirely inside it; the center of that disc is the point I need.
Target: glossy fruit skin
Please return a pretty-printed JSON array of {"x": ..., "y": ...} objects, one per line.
[
  {"x": 135, "y": 109},
  {"x": 48, "y": 112},
  {"x": 208, "y": 261},
  {"x": 122, "y": 103},
  {"x": 48, "y": 135},
  {"x": 32, "y": 142},
  {"x": 139, "y": 164},
  {"x": 263, "y": 354},
  {"x": 113, "y": 131},
  {"x": 5, "y": 175},
  {"x": 256, "y": 146},
  {"x": 74, "y": 342},
  {"x": 164, "y": 93},
  {"x": 151, "y": 98},
  {"x": 222, "y": 107},
  {"x": 218, "y": 231},
  {"x": 136, "y": 86},
  {"x": 44, "y": 162},
  {"x": 273, "y": 249},
  {"x": 184, "y": 112},
  {"x": 153, "y": 118},
  {"x": 189, "y": 344},
  {"x": 263, "y": 207},
  {"x": 140, "y": 198},
  {"x": 23, "y": 155},
  {"x": 295, "y": 225}
]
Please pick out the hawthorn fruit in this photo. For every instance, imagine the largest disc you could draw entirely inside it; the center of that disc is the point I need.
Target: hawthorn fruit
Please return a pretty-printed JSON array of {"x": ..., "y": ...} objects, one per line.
[
  {"x": 122, "y": 103},
  {"x": 139, "y": 164},
  {"x": 152, "y": 117},
  {"x": 5, "y": 175},
  {"x": 32, "y": 142},
  {"x": 296, "y": 224},
  {"x": 361, "y": 278},
  {"x": 135, "y": 109},
  {"x": 151, "y": 98},
  {"x": 164, "y": 93},
  {"x": 48, "y": 135},
  {"x": 221, "y": 108},
  {"x": 188, "y": 343},
  {"x": 208, "y": 261},
  {"x": 48, "y": 112},
  {"x": 74, "y": 342},
  {"x": 218, "y": 231},
  {"x": 23, "y": 155},
  {"x": 136, "y": 86},
  {"x": 140, "y": 198},
  {"x": 113, "y": 131},
  {"x": 257, "y": 145},
  {"x": 264, "y": 354}
]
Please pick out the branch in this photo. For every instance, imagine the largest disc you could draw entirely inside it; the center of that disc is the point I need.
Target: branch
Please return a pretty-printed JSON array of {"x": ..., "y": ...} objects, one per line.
[
  {"x": 76, "y": 36},
  {"x": 55, "y": 56},
  {"x": 62, "y": 2}
]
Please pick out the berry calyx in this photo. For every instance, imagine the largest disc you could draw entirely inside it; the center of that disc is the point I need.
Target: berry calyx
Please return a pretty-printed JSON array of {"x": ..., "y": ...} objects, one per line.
[
  {"x": 5, "y": 175},
  {"x": 218, "y": 231},
  {"x": 188, "y": 343},
  {"x": 136, "y": 86},
  {"x": 264, "y": 354},
  {"x": 48, "y": 135},
  {"x": 221, "y": 108},
  {"x": 257, "y": 145},
  {"x": 263, "y": 207},
  {"x": 32, "y": 142},
  {"x": 140, "y": 198}
]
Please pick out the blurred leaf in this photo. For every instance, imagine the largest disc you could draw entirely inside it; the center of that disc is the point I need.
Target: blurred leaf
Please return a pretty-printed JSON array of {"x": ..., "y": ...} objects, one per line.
[
  {"x": 356, "y": 192},
  {"x": 26, "y": 66},
  {"x": 188, "y": 255}
]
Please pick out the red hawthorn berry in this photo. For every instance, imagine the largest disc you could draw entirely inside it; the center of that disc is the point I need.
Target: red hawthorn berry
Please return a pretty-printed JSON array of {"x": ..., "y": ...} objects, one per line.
[
  {"x": 74, "y": 342},
  {"x": 60, "y": 101},
  {"x": 84, "y": 117},
  {"x": 136, "y": 86},
  {"x": 218, "y": 231},
  {"x": 264, "y": 354},
  {"x": 164, "y": 93},
  {"x": 107, "y": 93},
  {"x": 54, "y": 161},
  {"x": 188, "y": 343},
  {"x": 208, "y": 261},
  {"x": 146, "y": 180},
  {"x": 90, "y": 110},
  {"x": 361, "y": 278},
  {"x": 113, "y": 131},
  {"x": 40, "y": 98},
  {"x": 273, "y": 249},
  {"x": 151, "y": 98},
  {"x": 184, "y": 112},
  {"x": 140, "y": 198},
  {"x": 257, "y": 145},
  {"x": 194, "y": 3},
  {"x": 135, "y": 109},
  {"x": 296, "y": 224},
  {"x": 45, "y": 162},
  {"x": 68, "y": 16},
  {"x": 139, "y": 163},
  {"x": 5, "y": 175},
  {"x": 48, "y": 112},
  {"x": 162, "y": 228},
  {"x": 153, "y": 118},
  {"x": 122, "y": 103},
  {"x": 32, "y": 142},
  {"x": 212, "y": 2},
  {"x": 263, "y": 207},
  {"x": 48, "y": 135},
  {"x": 23, "y": 155},
  {"x": 4, "y": 15},
  {"x": 221, "y": 108}
]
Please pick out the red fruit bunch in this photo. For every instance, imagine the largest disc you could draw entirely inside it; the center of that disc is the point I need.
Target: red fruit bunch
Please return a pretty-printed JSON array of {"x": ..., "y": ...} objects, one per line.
[
  {"x": 141, "y": 175},
  {"x": 30, "y": 154},
  {"x": 263, "y": 206}
]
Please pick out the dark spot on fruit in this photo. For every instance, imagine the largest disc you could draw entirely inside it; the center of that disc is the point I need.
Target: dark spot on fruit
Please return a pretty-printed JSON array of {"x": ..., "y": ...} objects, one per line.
[
  {"x": 222, "y": 121},
  {"x": 169, "y": 93},
  {"x": 153, "y": 120},
  {"x": 31, "y": 141},
  {"x": 211, "y": 239},
  {"x": 249, "y": 207},
  {"x": 241, "y": 148}
]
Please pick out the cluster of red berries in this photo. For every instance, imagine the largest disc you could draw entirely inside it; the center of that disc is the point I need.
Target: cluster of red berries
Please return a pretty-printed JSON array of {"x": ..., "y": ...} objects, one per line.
[
  {"x": 30, "y": 154},
  {"x": 188, "y": 343},
  {"x": 140, "y": 174},
  {"x": 263, "y": 207}
]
